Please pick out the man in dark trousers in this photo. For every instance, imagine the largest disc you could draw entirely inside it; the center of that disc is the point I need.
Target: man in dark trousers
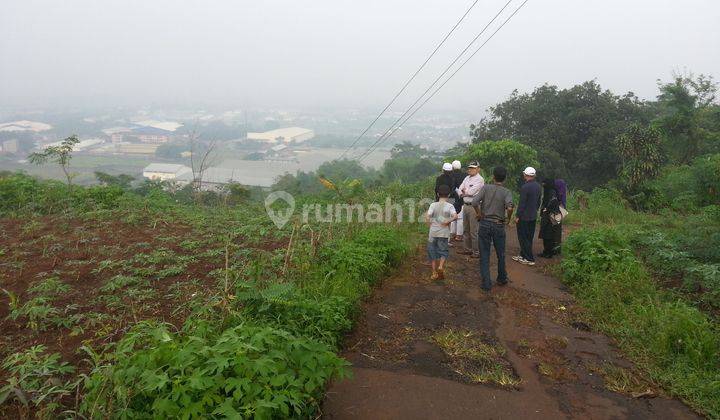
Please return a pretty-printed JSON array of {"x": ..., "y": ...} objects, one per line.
[
  {"x": 494, "y": 207},
  {"x": 526, "y": 216}
]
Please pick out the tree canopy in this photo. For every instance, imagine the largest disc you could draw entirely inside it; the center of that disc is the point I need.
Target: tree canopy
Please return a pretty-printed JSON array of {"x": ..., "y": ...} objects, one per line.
[{"x": 573, "y": 130}]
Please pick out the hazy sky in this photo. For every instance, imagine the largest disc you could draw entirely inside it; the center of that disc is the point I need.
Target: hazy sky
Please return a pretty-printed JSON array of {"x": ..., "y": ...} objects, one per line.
[{"x": 327, "y": 53}]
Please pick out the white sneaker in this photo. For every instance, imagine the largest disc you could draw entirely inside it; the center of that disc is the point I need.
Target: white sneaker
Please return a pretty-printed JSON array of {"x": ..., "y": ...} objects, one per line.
[
  {"x": 526, "y": 262},
  {"x": 517, "y": 258}
]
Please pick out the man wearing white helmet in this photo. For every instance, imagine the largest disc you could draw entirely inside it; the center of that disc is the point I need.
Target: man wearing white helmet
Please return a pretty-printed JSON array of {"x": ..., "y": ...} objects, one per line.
[
  {"x": 526, "y": 216},
  {"x": 457, "y": 226},
  {"x": 446, "y": 178}
]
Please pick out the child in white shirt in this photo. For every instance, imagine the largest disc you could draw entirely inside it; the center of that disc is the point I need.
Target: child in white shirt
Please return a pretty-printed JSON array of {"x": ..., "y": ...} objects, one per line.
[{"x": 439, "y": 216}]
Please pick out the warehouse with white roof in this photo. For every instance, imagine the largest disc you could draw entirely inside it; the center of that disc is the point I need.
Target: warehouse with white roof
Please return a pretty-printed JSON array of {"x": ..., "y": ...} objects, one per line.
[{"x": 283, "y": 135}]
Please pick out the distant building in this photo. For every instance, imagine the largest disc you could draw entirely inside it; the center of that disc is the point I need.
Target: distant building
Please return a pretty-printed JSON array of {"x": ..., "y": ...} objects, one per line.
[
  {"x": 116, "y": 137},
  {"x": 80, "y": 146},
  {"x": 163, "y": 125},
  {"x": 25, "y": 125},
  {"x": 151, "y": 135},
  {"x": 9, "y": 146},
  {"x": 283, "y": 135},
  {"x": 136, "y": 148},
  {"x": 215, "y": 178},
  {"x": 166, "y": 171}
]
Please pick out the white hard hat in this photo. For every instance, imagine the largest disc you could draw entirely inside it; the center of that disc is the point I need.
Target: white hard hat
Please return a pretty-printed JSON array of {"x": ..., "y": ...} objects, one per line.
[
  {"x": 447, "y": 167},
  {"x": 529, "y": 171},
  {"x": 456, "y": 164}
]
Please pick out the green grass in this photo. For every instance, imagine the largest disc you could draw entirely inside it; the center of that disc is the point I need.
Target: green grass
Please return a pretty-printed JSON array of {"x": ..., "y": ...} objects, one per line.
[{"x": 672, "y": 340}]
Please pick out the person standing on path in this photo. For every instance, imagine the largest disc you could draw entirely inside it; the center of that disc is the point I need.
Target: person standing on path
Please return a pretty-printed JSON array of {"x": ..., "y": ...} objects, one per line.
[
  {"x": 439, "y": 216},
  {"x": 445, "y": 178},
  {"x": 469, "y": 188},
  {"x": 457, "y": 226},
  {"x": 526, "y": 216},
  {"x": 494, "y": 208},
  {"x": 561, "y": 189},
  {"x": 550, "y": 231}
]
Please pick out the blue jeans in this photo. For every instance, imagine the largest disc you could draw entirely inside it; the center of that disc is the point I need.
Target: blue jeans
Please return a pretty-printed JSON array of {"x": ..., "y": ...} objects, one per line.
[
  {"x": 526, "y": 233},
  {"x": 494, "y": 233}
]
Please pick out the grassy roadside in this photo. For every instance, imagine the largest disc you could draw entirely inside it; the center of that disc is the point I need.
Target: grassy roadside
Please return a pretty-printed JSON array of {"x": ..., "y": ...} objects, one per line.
[
  {"x": 264, "y": 308},
  {"x": 664, "y": 331}
]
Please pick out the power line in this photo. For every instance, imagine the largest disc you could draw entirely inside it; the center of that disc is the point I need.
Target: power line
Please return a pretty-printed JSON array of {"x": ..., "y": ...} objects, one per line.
[
  {"x": 380, "y": 139},
  {"x": 446, "y": 80},
  {"x": 392, "y": 101}
]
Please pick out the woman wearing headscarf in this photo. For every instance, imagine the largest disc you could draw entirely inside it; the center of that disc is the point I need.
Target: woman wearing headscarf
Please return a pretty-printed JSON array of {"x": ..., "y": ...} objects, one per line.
[
  {"x": 561, "y": 189},
  {"x": 550, "y": 232}
]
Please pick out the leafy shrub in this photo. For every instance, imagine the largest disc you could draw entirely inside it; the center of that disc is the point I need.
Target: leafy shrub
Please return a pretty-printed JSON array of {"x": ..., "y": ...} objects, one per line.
[
  {"x": 681, "y": 254},
  {"x": 679, "y": 345},
  {"x": 603, "y": 206},
  {"x": 513, "y": 155},
  {"x": 20, "y": 193},
  {"x": 351, "y": 267},
  {"x": 36, "y": 380},
  {"x": 246, "y": 371},
  {"x": 285, "y": 306},
  {"x": 38, "y": 311},
  {"x": 598, "y": 250},
  {"x": 97, "y": 197},
  {"x": 687, "y": 188}
]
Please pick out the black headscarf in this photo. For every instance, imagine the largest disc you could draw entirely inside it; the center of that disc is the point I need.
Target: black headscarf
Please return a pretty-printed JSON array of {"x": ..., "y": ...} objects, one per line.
[{"x": 549, "y": 192}]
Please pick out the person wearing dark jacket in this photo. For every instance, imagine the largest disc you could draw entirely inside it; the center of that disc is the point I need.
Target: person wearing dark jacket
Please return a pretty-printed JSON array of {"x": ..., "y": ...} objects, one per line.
[
  {"x": 446, "y": 178},
  {"x": 550, "y": 232},
  {"x": 526, "y": 216}
]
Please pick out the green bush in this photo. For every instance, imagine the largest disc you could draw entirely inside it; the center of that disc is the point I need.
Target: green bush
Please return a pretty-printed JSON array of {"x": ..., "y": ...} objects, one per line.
[
  {"x": 674, "y": 341},
  {"x": 22, "y": 194},
  {"x": 246, "y": 371},
  {"x": 285, "y": 306},
  {"x": 513, "y": 155},
  {"x": 350, "y": 267},
  {"x": 97, "y": 197},
  {"x": 686, "y": 188},
  {"x": 605, "y": 206},
  {"x": 36, "y": 380}
]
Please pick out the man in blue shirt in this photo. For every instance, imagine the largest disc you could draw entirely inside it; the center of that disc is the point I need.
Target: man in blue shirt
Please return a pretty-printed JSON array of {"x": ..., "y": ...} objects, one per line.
[{"x": 526, "y": 216}]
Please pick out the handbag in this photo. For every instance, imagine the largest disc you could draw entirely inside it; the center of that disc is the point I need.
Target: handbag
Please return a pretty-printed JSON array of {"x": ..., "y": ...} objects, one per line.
[{"x": 557, "y": 218}]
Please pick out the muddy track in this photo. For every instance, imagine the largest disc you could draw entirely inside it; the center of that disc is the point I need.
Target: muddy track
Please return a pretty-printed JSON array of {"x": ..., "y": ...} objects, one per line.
[{"x": 521, "y": 351}]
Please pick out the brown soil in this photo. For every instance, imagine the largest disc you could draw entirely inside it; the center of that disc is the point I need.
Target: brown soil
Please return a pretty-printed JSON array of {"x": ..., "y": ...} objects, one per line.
[
  {"x": 401, "y": 373},
  {"x": 73, "y": 251}
]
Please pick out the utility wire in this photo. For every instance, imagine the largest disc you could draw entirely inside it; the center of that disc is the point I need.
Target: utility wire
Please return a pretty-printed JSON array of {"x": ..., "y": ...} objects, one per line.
[
  {"x": 447, "y": 69},
  {"x": 446, "y": 80},
  {"x": 392, "y": 101}
]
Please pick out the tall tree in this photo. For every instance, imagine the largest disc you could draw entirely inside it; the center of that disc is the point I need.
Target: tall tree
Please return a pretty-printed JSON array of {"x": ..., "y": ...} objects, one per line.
[
  {"x": 573, "y": 130},
  {"x": 640, "y": 149},
  {"x": 688, "y": 115}
]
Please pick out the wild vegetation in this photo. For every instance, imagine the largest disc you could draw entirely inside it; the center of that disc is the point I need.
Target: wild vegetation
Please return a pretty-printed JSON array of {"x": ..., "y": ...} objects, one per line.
[
  {"x": 134, "y": 303},
  {"x": 651, "y": 281},
  {"x": 149, "y": 301}
]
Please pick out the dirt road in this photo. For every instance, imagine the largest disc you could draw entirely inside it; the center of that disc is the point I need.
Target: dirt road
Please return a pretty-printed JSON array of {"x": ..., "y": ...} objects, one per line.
[{"x": 445, "y": 349}]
